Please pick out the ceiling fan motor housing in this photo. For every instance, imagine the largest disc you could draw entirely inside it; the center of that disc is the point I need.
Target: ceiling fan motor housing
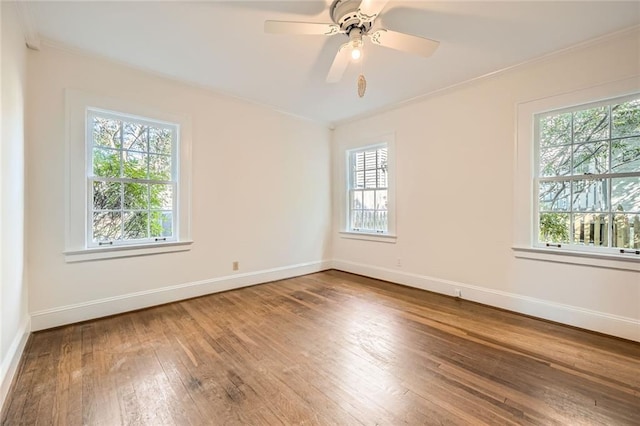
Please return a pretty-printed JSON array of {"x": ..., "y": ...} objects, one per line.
[{"x": 346, "y": 14}]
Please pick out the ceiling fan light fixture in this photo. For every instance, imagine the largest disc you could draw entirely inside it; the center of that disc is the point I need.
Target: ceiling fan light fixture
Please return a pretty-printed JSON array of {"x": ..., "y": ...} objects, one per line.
[
  {"x": 356, "y": 49},
  {"x": 355, "y": 42}
]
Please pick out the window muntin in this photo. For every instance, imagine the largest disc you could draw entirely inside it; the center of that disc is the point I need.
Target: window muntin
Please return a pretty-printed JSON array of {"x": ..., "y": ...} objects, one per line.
[
  {"x": 587, "y": 184},
  {"x": 368, "y": 190},
  {"x": 131, "y": 179}
]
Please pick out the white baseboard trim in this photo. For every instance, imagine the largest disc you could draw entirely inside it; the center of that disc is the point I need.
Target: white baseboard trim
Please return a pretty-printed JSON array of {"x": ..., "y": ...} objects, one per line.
[
  {"x": 614, "y": 325},
  {"x": 9, "y": 365},
  {"x": 55, "y": 317}
]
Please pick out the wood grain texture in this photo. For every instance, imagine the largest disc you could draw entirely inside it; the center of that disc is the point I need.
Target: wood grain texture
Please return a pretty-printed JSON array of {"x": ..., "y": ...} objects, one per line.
[{"x": 326, "y": 348}]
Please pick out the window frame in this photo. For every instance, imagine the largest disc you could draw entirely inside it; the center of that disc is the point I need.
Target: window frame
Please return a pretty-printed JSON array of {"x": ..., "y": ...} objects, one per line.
[
  {"x": 92, "y": 112},
  {"x": 571, "y": 177},
  {"x": 389, "y": 236},
  {"x": 351, "y": 187},
  {"x": 77, "y": 247},
  {"x": 525, "y": 155}
]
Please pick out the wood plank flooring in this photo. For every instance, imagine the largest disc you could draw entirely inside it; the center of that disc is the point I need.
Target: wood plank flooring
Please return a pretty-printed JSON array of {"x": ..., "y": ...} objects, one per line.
[{"x": 327, "y": 348}]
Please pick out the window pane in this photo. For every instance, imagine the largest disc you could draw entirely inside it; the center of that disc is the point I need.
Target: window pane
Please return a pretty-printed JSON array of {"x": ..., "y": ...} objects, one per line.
[
  {"x": 590, "y": 195},
  {"x": 625, "y": 194},
  {"x": 555, "y": 161},
  {"x": 161, "y": 224},
  {"x": 381, "y": 221},
  {"x": 106, "y": 132},
  {"x": 382, "y": 178},
  {"x": 135, "y": 137},
  {"x": 135, "y": 165},
  {"x": 368, "y": 220},
  {"x": 356, "y": 219},
  {"x": 160, "y": 140},
  {"x": 356, "y": 200},
  {"x": 106, "y": 162},
  {"x": 136, "y": 225},
  {"x": 369, "y": 200},
  {"x": 591, "y": 229},
  {"x": 106, "y": 195},
  {"x": 161, "y": 196},
  {"x": 369, "y": 160},
  {"x": 626, "y": 231},
  {"x": 370, "y": 178},
  {"x": 359, "y": 161},
  {"x": 591, "y": 158},
  {"x": 625, "y": 119},
  {"x": 359, "y": 180},
  {"x": 634, "y": 231},
  {"x": 136, "y": 196},
  {"x": 591, "y": 124},
  {"x": 381, "y": 200},
  {"x": 106, "y": 226},
  {"x": 555, "y": 130},
  {"x": 160, "y": 167},
  {"x": 554, "y": 228},
  {"x": 554, "y": 196},
  {"x": 625, "y": 155},
  {"x": 382, "y": 158}
]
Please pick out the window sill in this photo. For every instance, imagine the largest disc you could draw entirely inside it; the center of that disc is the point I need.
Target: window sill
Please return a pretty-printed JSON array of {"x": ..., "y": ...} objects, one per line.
[
  {"x": 100, "y": 253},
  {"x": 598, "y": 260},
  {"x": 381, "y": 238}
]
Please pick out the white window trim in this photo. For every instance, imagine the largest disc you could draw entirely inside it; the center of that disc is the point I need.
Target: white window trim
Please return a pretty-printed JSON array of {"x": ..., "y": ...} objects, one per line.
[
  {"x": 344, "y": 232},
  {"x": 525, "y": 159},
  {"x": 367, "y": 236},
  {"x": 76, "y": 248},
  {"x": 99, "y": 253}
]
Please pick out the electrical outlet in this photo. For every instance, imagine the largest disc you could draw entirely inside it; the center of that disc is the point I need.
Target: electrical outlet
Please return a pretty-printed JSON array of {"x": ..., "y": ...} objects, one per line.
[
  {"x": 399, "y": 262},
  {"x": 458, "y": 292},
  {"x": 236, "y": 265}
]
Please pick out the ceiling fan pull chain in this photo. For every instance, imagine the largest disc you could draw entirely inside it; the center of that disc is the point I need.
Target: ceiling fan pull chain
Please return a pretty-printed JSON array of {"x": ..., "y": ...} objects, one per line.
[
  {"x": 362, "y": 85},
  {"x": 362, "y": 81}
]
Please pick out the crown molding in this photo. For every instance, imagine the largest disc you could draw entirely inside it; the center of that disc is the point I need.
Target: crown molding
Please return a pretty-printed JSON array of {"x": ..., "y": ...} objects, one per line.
[{"x": 28, "y": 24}]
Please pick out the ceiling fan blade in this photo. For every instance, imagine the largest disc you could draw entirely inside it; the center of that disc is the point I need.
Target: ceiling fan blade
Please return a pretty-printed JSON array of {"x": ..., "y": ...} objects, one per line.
[
  {"x": 340, "y": 63},
  {"x": 290, "y": 27},
  {"x": 372, "y": 8},
  {"x": 404, "y": 42}
]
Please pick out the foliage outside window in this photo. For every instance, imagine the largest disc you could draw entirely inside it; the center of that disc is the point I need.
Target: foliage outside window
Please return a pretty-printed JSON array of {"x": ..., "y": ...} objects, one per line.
[
  {"x": 368, "y": 190},
  {"x": 588, "y": 176},
  {"x": 131, "y": 178}
]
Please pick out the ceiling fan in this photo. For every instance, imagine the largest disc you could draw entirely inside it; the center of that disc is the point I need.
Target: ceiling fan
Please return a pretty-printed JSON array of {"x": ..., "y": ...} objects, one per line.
[{"x": 356, "y": 19}]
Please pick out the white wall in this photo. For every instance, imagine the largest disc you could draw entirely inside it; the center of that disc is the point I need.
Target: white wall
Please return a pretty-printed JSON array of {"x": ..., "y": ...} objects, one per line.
[
  {"x": 260, "y": 194},
  {"x": 14, "y": 317},
  {"x": 455, "y": 155}
]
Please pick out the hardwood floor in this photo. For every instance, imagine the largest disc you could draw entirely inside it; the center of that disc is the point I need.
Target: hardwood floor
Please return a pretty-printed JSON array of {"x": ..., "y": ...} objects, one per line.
[{"x": 327, "y": 348}]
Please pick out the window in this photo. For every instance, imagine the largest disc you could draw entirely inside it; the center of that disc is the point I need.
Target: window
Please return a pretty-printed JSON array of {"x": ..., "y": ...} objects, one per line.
[
  {"x": 368, "y": 190},
  {"x": 128, "y": 178},
  {"x": 587, "y": 177},
  {"x": 131, "y": 173}
]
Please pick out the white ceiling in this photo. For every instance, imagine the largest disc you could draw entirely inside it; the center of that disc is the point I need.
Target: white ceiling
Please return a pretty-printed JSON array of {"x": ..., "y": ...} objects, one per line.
[{"x": 221, "y": 45}]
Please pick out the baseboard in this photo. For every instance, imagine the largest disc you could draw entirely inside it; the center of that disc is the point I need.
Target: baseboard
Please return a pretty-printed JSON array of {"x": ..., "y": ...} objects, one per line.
[
  {"x": 627, "y": 328},
  {"x": 614, "y": 325},
  {"x": 129, "y": 302},
  {"x": 9, "y": 365}
]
